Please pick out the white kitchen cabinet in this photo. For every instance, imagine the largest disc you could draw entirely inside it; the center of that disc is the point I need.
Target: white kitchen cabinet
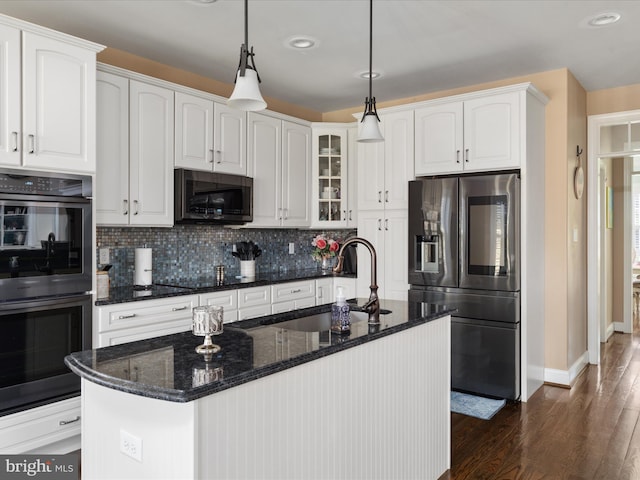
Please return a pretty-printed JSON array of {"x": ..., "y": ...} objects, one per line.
[
  {"x": 279, "y": 160},
  {"x": 128, "y": 322},
  {"x": 324, "y": 290},
  {"x": 47, "y": 99},
  {"x": 331, "y": 180},
  {"x": 292, "y": 296},
  {"x": 112, "y": 168},
  {"x": 387, "y": 231},
  {"x": 209, "y": 135},
  {"x": 481, "y": 133},
  {"x": 254, "y": 302},
  {"x": 134, "y": 174},
  {"x": 385, "y": 168},
  {"x": 52, "y": 429},
  {"x": 227, "y": 299}
]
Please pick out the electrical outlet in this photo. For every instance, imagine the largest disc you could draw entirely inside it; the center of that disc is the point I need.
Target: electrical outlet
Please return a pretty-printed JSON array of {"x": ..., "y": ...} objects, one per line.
[
  {"x": 292, "y": 248},
  {"x": 131, "y": 445},
  {"x": 104, "y": 256},
  {"x": 234, "y": 248}
]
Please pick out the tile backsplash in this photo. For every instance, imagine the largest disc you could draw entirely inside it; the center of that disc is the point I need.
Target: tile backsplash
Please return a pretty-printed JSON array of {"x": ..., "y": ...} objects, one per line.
[{"x": 193, "y": 251}]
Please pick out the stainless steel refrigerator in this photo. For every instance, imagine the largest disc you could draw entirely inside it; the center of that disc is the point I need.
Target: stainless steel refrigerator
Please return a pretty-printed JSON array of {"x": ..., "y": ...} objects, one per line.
[{"x": 464, "y": 251}]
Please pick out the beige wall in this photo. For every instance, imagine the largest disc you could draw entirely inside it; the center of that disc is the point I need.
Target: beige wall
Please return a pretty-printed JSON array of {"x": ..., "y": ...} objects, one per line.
[
  {"x": 119, "y": 58},
  {"x": 577, "y": 222},
  {"x": 612, "y": 100}
]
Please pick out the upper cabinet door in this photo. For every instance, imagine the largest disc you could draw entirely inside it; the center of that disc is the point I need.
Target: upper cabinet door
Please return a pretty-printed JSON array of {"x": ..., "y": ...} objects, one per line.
[
  {"x": 264, "y": 165},
  {"x": 112, "y": 151},
  {"x": 193, "y": 132},
  {"x": 492, "y": 132},
  {"x": 371, "y": 174},
  {"x": 296, "y": 174},
  {"x": 10, "y": 137},
  {"x": 230, "y": 139},
  {"x": 58, "y": 104},
  {"x": 439, "y": 139},
  {"x": 151, "y": 154},
  {"x": 399, "y": 159}
]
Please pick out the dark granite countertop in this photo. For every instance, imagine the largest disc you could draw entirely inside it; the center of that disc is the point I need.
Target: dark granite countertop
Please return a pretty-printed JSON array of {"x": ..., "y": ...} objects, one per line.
[
  {"x": 168, "y": 368},
  {"x": 129, "y": 293}
]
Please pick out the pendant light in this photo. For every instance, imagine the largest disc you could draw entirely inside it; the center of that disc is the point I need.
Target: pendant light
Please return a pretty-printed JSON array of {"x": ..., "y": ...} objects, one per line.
[
  {"x": 369, "y": 131},
  {"x": 246, "y": 94}
]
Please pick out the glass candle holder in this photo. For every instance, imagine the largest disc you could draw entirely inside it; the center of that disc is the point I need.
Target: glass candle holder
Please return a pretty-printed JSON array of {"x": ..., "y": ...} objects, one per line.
[{"x": 207, "y": 321}]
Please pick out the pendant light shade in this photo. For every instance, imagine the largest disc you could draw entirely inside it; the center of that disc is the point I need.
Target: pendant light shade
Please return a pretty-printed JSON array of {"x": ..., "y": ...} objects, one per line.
[
  {"x": 369, "y": 131},
  {"x": 246, "y": 94}
]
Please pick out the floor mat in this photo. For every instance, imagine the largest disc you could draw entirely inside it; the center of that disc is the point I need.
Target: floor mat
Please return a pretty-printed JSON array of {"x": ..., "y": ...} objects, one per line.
[{"x": 474, "y": 406}]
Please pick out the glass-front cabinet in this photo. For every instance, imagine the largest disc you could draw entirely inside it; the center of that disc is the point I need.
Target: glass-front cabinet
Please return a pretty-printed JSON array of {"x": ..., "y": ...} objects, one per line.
[{"x": 330, "y": 190}]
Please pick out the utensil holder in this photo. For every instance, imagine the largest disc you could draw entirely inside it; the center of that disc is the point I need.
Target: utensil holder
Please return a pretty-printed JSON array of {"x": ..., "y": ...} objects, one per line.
[{"x": 247, "y": 268}]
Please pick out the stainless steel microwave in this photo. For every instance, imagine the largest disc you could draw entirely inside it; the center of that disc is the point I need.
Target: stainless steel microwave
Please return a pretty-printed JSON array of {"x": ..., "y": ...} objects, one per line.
[{"x": 206, "y": 197}]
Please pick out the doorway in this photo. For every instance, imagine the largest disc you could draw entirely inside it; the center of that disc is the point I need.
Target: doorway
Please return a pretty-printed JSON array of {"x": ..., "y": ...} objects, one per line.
[{"x": 614, "y": 139}]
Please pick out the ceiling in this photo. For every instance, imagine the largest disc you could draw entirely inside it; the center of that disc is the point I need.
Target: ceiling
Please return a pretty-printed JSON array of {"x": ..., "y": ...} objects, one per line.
[{"x": 420, "y": 46}]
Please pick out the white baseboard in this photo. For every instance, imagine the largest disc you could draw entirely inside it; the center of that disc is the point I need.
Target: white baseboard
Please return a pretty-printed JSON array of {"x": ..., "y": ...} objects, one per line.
[
  {"x": 566, "y": 378},
  {"x": 611, "y": 329}
]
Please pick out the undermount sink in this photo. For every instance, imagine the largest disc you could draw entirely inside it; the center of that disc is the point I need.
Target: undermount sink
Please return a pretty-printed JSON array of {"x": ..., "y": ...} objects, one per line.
[{"x": 320, "y": 322}]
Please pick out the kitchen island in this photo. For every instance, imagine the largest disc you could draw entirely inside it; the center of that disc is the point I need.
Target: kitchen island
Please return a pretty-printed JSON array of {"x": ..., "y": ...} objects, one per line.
[{"x": 280, "y": 400}]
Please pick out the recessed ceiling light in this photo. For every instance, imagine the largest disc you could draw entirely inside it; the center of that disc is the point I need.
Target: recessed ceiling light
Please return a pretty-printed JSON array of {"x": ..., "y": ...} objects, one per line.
[
  {"x": 301, "y": 42},
  {"x": 603, "y": 19},
  {"x": 374, "y": 75}
]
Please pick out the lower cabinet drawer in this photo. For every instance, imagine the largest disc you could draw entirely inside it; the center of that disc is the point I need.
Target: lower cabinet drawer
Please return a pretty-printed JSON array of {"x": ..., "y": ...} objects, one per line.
[
  {"x": 148, "y": 312},
  {"x": 39, "y": 427},
  {"x": 284, "y": 292},
  {"x": 227, "y": 299},
  {"x": 253, "y": 312},
  {"x": 254, "y": 296}
]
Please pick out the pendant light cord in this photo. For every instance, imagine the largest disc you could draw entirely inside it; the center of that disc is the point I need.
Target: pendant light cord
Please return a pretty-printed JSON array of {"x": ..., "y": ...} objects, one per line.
[
  {"x": 246, "y": 24},
  {"x": 370, "y": 49}
]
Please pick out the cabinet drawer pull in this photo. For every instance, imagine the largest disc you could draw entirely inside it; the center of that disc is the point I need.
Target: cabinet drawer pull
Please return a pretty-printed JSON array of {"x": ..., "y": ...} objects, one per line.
[
  {"x": 286, "y": 214},
  {"x": 386, "y": 196},
  {"x": 67, "y": 422},
  {"x": 457, "y": 156},
  {"x": 32, "y": 143},
  {"x": 211, "y": 161},
  {"x": 296, "y": 290},
  {"x": 386, "y": 224},
  {"x": 15, "y": 141},
  {"x": 379, "y": 196},
  {"x": 350, "y": 218},
  {"x": 379, "y": 224},
  {"x": 177, "y": 309},
  {"x": 122, "y": 317},
  {"x": 135, "y": 207},
  {"x": 219, "y": 152},
  {"x": 466, "y": 155},
  {"x": 125, "y": 207}
]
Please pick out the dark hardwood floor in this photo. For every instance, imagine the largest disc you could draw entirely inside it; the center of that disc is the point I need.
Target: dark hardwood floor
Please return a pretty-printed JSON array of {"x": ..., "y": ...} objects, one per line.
[{"x": 591, "y": 431}]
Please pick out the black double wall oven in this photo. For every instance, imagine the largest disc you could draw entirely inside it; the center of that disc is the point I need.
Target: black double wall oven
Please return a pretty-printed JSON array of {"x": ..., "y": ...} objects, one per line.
[
  {"x": 464, "y": 234},
  {"x": 46, "y": 237}
]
